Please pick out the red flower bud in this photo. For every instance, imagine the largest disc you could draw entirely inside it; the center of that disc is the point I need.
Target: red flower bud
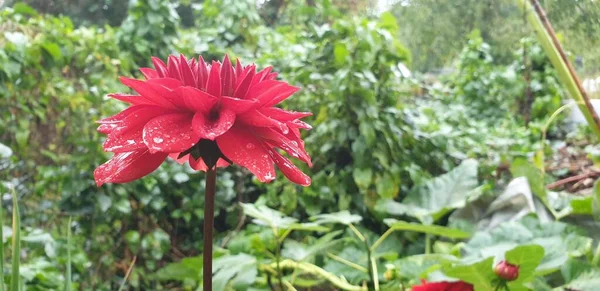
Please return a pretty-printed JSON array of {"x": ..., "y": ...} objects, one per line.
[{"x": 507, "y": 271}]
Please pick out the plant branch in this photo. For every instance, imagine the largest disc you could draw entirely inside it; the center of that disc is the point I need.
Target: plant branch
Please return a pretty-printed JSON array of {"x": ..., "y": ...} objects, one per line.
[
  {"x": 348, "y": 263},
  {"x": 312, "y": 269}
]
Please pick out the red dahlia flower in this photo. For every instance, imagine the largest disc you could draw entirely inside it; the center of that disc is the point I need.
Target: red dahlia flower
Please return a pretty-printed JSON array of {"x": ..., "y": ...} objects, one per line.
[
  {"x": 205, "y": 114},
  {"x": 443, "y": 286}
]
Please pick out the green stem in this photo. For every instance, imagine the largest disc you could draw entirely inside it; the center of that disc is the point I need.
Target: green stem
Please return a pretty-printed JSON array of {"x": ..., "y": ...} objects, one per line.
[
  {"x": 16, "y": 244},
  {"x": 382, "y": 238},
  {"x": 427, "y": 244},
  {"x": 596, "y": 257},
  {"x": 375, "y": 274},
  {"x": 553, "y": 49},
  {"x": 348, "y": 263},
  {"x": 209, "y": 217},
  {"x": 357, "y": 232},
  {"x": 68, "y": 279},
  {"x": 278, "y": 260},
  {"x": 315, "y": 270}
]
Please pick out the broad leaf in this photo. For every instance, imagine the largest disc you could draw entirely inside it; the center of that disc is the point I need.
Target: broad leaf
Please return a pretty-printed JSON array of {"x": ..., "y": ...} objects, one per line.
[
  {"x": 480, "y": 274},
  {"x": 300, "y": 252},
  {"x": 238, "y": 270},
  {"x": 438, "y": 196},
  {"x": 429, "y": 229},
  {"x": 522, "y": 168},
  {"x": 186, "y": 269},
  {"x": 342, "y": 217},
  {"x": 528, "y": 258},
  {"x": 264, "y": 215}
]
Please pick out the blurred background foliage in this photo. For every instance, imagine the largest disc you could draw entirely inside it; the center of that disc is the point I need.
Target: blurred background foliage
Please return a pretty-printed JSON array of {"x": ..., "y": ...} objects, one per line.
[{"x": 480, "y": 88}]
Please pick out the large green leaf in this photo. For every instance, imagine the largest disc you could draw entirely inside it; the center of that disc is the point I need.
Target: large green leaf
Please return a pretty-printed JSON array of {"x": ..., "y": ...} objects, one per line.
[
  {"x": 186, "y": 269},
  {"x": 438, "y": 196},
  {"x": 342, "y": 217},
  {"x": 520, "y": 167},
  {"x": 528, "y": 258},
  {"x": 559, "y": 240},
  {"x": 264, "y": 215},
  {"x": 238, "y": 270},
  {"x": 480, "y": 274},
  {"x": 300, "y": 252},
  {"x": 429, "y": 229}
]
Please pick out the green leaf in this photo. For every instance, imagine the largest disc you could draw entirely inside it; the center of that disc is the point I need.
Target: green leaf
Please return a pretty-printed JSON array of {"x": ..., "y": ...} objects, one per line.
[
  {"x": 386, "y": 186},
  {"x": 340, "y": 53},
  {"x": 264, "y": 215},
  {"x": 438, "y": 196},
  {"x": 362, "y": 177},
  {"x": 300, "y": 252},
  {"x": 238, "y": 269},
  {"x": 52, "y": 49},
  {"x": 527, "y": 257},
  {"x": 429, "y": 229},
  {"x": 22, "y": 8},
  {"x": 186, "y": 269},
  {"x": 588, "y": 281},
  {"x": 520, "y": 167},
  {"x": 342, "y": 217},
  {"x": 480, "y": 274},
  {"x": 5, "y": 152}
]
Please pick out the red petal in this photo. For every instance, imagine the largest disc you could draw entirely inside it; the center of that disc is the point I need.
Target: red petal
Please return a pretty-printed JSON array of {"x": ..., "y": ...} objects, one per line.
[
  {"x": 134, "y": 111},
  {"x": 125, "y": 140},
  {"x": 197, "y": 100},
  {"x": 271, "y": 76},
  {"x": 173, "y": 68},
  {"x": 245, "y": 149},
  {"x": 271, "y": 92},
  {"x": 244, "y": 84},
  {"x": 160, "y": 67},
  {"x": 129, "y": 166},
  {"x": 149, "y": 73},
  {"x": 238, "y": 105},
  {"x": 299, "y": 124},
  {"x": 131, "y": 99},
  {"x": 201, "y": 74},
  {"x": 260, "y": 76},
  {"x": 258, "y": 119},
  {"x": 168, "y": 83},
  {"x": 106, "y": 127},
  {"x": 213, "y": 86},
  {"x": 186, "y": 72},
  {"x": 170, "y": 133},
  {"x": 227, "y": 77},
  {"x": 283, "y": 115},
  {"x": 210, "y": 129},
  {"x": 146, "y": 91},
  {"x": 238, "y": 68},
  {"x": 180, "y": 161},
  {"x": 290, "y": 146},
  {"x": 290, "y": 170},
  {"x": 198, "y": 164}
]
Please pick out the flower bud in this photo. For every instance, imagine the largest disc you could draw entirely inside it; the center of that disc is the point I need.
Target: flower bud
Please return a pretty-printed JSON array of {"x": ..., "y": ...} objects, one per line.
[{"x": 506, "y": 271}]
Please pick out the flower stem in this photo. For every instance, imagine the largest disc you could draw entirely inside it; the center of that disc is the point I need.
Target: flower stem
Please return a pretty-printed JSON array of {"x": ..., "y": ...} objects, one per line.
[{"x": 209, "y": 217}]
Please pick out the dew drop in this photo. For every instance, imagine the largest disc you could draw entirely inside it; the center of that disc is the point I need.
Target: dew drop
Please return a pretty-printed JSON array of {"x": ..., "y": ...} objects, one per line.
[
  {"x": 157, "y": 140},
  {"x": 130, "y": 141}
]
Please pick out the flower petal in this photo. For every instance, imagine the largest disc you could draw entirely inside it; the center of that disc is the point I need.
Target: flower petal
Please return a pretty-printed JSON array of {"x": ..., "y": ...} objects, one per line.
[
  {"x": 290, "y": 146},
  {"x": 170, "y": 133},
  {"x": 133, "y": 114},
  {"x": 198, "y": 164},
  {"x": 255, "y": 118},
  {"x": 106, "y": 128},
  {"x": 131, "y": 99},
  {"x": 283, "y": 115},
  {"x": 271, "y": 92},
  {"x": 149, "y": 73},
  {"x": 244, "y": 83},
  {"x": 290, "y": 170},
  {"x": 197, "y": 100},
  {"x": 146, "y": 91},
  {"x": 201, "y": 74},
  {"x": 238, "y": 105},
  {"x": 243, "y": 148},
  {"x": 186, "y": 72},
  {"x": 125, "y": 140},
  {"x": 213, "y": 86},
  {"x": 173, "y": 68},
  {"x": 160, "y": 67},
  {"x": 210, "y": 129},
  {"x": 129, "y": 166},
  {"x": 227, "y": 77}
]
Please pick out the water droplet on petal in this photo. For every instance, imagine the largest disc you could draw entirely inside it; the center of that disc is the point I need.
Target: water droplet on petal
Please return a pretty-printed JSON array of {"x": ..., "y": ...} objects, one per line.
[{"x": 157, "y": 140}]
